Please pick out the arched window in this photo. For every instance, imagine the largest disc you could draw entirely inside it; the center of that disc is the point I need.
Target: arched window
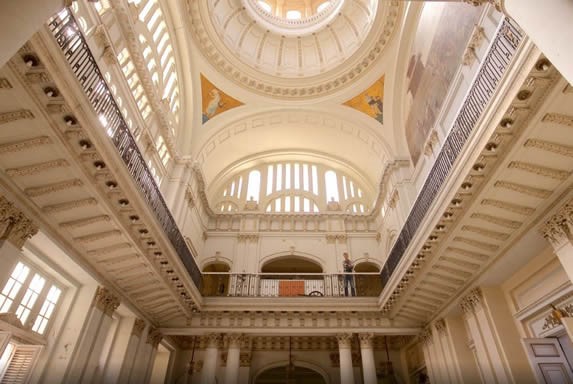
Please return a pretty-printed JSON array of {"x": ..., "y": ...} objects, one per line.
[
  {"x": 254, "y": 186},
  {"x": 331, "y": 186},
  {"x": 293, "y": 15}
]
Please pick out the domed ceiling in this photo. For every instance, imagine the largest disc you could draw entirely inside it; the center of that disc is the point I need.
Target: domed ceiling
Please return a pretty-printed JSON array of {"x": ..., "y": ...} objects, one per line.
[{"x": 308, "y": 56}]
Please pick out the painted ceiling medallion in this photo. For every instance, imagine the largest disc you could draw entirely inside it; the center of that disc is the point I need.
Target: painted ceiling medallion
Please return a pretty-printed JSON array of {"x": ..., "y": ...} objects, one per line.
[{"x": 332, "y": 48}]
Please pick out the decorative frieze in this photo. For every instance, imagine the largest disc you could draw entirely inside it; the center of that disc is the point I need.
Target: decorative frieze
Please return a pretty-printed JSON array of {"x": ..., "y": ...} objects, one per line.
[
  {"x": 470, "y": 254},
  {"x": 97, "y": 236},
  {"x": 110, "y": 249},
  {"x": 234, "y": 339},
  {"x": 23, "y": 145},
  {"x": 85, "y": 222},
  {"x": 57, "y": 108},
  {"x": 245, "y": 237},
  {"x": 471, "y": 302},
  {"x": 511, "y": 207},
  {"x": 559, "y": 118},
  {"x": 52, "y": 188},
  {"x": 539, "y": 170},
  {"x": 22, "y": 114},
  {"x": 34, "y": 169},
  {"x": 334, "y": 237},
  {"x": 38, "y": 77},
  {"x": 106, "y": 301},
  {"x": 55, "y": 208},
  {"x": 524, "y": 189}
]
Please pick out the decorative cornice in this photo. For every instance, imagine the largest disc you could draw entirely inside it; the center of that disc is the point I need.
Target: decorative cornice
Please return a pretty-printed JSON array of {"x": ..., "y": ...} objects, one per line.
[
  {"x": 51, "y": 188},
  {"x": 524, "y": 189},
  {"x": 37, "y": 77},
  {"x": 22, "y": 114},
  {"x": 333, "y": 237},
  {"x": 254, "y": 237},
  {"x": 515, "y": 208},
  {"x": 558, "y": 118},
  {"x": 106, "y": 301},
  {"x": 55, "y": 208},
  {"x": 34, "y": 169},
  {"x": 469, "y": 303},
  {"x": 552, "y": 173},
  {"x": 498, "y": 4}
]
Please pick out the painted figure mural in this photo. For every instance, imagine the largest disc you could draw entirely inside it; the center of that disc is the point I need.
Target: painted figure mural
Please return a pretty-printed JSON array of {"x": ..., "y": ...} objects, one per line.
[
  {"x": 443, "y": 33},
  {"x": 371, "y": 101},
  {"x": 215, "y": 101}
]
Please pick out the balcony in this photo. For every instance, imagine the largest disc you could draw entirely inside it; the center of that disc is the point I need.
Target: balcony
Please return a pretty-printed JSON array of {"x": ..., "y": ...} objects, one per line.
[{"x": 283, "y": 285}]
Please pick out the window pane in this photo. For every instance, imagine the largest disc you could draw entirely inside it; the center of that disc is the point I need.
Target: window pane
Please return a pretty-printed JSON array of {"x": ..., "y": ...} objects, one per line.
[
  {"x": 279, "y": 177},
  {"x": 331, "y": 186},
  {"x": 314, "y": 180},
  {"x": 270, "y": 180},
  {"x": 297, "y": 176},
  {"x": 287, "y": 176},
  {"x": 254, "y": 185},
  {"x": 305, "y": 177}
]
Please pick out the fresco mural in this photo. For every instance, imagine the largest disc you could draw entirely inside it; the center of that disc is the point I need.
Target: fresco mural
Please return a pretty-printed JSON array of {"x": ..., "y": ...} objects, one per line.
[
  {"x": 215, "y": 101},
  {"x": 443, "y": 33},
  {"x": 371, "y": 101}
]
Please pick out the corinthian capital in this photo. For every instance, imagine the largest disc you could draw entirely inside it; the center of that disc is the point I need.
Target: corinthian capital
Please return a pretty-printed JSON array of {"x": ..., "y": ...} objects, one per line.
[
  {"x": 344, "y": 340},
  {"x": 558, "y": 229},
  {"x": 106, "y": 301},
  {"x": 471, "y": 301}
]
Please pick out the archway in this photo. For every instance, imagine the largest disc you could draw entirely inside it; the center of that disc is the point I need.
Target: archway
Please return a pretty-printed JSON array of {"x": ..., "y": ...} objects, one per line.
[
  {"x": 291, "y": 264},
  {"x": 292, "y": 275},
  {"x": 216, "y": 284},
  {"x": 297, "y": 375},
  {"x": 367, "y": 285}
]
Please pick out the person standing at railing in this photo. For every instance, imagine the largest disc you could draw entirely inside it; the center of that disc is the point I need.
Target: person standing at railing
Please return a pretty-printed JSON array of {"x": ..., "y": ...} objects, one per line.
[{"x": 347, "y": 267}]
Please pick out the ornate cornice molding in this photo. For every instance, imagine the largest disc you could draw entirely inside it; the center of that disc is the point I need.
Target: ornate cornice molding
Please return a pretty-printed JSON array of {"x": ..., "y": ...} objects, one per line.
[
  {"x": 106, "y": 301},
  {"x": 23, "y": 145},
  {"x": 511, "y": 207}
]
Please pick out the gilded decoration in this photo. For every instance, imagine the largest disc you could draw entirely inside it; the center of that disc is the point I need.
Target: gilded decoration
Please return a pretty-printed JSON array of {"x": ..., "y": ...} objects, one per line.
[
  {"x": 370, "y": 101},
  {"x": 214, "y": 101}
]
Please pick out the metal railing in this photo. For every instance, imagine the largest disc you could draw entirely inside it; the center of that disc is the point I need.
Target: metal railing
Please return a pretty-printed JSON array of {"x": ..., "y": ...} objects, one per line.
[
  {"x": 226, "y": 284},
  {"x": 497, "y": 60},
  {"x": 76, "y": 51}
]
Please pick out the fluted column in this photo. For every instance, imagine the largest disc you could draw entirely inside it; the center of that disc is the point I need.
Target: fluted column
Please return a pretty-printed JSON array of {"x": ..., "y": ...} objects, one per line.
[
  {"x": 499, "y": 354},
  {"x": 93, "y": 336},
  {"x": 427, "y": 338},
  {"x": 131, "y": 351},
  {"x": 345, "y": 352},
  {"x": 233, "y": 358},
  {"x": 210, "y": 360},
  {"x": 558, "y": 232},
  {"x": 367, "y": 353}
]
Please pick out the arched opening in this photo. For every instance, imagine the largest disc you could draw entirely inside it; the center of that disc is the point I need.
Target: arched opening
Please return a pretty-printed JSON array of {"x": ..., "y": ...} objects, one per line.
[
  {"x": 367, "y": 285},
  {"x": 292, "y": 276},
  {"x": 291, "y": 264},
  {"x": 299, "y": 375},
  {"x": 216, "y": 284}
]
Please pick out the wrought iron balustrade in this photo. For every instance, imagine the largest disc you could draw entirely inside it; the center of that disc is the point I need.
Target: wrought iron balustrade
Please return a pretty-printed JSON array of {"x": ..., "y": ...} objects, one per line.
[
  {"x": 76, "y": 51},
  {"x": 497, "y": 60},
  {"x": 224, "y": 284}
]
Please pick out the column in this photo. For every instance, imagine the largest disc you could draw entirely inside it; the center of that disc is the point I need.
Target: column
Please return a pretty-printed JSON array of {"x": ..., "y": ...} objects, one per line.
[
  {"x": 499, "y": 354},
  {"x": 558, "y": 232},
  {"x": 210, "y": 360},
  {"x": 448, "y": 360},
  {"x": 367, "y": 353},
  {"x": 432, "y": 366},
  {"x": 233, "y": 358},
  {"x": 153, "y": 339},
  {"x": 461, "y": 356},
  {"x": 345, "y": 352},
  {"x": 88, "y": 350},
  {"x": 131, "y": 351}
]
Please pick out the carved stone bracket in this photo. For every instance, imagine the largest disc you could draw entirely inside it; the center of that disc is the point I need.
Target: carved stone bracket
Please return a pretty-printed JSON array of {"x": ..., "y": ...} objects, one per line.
[{"x": 106, "y": 301}]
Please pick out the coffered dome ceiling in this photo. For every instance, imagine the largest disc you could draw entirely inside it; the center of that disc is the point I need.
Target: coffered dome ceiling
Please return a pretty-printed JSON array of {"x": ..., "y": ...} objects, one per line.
[{"x": 311, "y": 56}]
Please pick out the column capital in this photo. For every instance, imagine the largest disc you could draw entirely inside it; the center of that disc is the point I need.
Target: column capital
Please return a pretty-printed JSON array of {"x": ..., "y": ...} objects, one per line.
[
  {"x": 106, "y": 301},
  {"x": 138, "y": 326},
  {"x": 558, "y": 229},
  {"x": 498, "y": 4},
  {"x": 426, "y": 336},
  {"x": 154, "y": 337},
  {"x": 440, "y": 326},
  {"x": 213, "y": 340},
  {"x": 16, "y": 227},
  {"x": 470, "y": 302},
  {"x": 344, "y": 340},
  {"x": 234, "y": 339},
  {"x": 366, "y": 340}
]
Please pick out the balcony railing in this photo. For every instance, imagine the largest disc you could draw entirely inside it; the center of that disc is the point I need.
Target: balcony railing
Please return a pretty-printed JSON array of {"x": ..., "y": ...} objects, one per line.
[
  {"x": 83, "y": 64},
  {"x": 496, "y": 62},
  {"x": 291, "y": 284}
]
